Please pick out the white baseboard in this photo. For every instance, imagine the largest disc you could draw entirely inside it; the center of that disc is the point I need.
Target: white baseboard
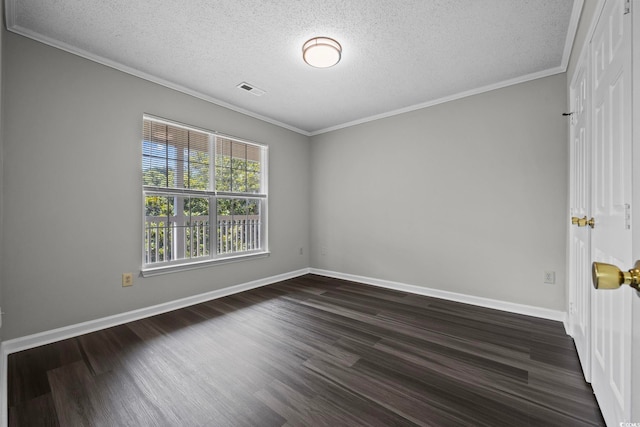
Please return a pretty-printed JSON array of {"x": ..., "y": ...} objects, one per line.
[
  {"x": 46, "y": 337},
  {"x": 511, "y": 307},
  {"x": 4, "y": 401}
]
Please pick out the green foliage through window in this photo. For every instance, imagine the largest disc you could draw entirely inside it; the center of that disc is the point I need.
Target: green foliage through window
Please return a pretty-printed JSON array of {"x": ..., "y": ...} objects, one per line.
[{"x": 186, "y": 172}]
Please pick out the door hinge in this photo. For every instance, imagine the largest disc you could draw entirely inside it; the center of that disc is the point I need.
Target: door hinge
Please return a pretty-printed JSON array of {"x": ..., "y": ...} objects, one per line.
[
  {"x": 627, "y": 7},
  {"x": 627, "y": 216}
]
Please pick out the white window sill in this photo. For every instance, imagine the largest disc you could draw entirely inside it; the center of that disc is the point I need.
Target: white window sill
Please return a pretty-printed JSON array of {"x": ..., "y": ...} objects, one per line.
[{"x": 166, "y": 269}]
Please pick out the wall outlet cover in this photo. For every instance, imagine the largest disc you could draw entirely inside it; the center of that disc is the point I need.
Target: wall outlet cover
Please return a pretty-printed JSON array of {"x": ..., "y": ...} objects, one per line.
[
  {"x": 127, "y": 279},
  {"x": 550, "y": 277}
]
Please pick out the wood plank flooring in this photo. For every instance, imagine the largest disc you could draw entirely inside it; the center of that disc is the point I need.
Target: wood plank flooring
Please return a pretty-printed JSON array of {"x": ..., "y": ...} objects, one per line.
[{"x": 310, "y": 351}]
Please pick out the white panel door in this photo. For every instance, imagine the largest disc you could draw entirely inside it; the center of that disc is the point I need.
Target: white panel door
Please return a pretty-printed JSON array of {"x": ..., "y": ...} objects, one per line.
[
  {"x": 580, "y": 288},
  {"x": 611, "y": 200}
]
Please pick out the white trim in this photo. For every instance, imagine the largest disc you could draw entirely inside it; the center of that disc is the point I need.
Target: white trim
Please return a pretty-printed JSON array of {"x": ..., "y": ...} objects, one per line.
[
  {"x": 4, "y": 400},
  {"x": 566, "y": 56},
  {"x": 65, "y": 332},
  {"x": 141, "y": 74},
  {"x": 588, "y": 36},
  {"x": 164, "y": 121},
  {"x": 164, "y": 266},
  {"x": 571, "y": 32},
  {"x": 573, "y": 25},
  {"x": 488, "y": 88},
  {"x": 30, "y": 341},
  {"x": 46, "y": 337},
  {"x": 10, "y": 11},
  {"x": 511, "y": 307},
  {"x": 174, "y": 268}
]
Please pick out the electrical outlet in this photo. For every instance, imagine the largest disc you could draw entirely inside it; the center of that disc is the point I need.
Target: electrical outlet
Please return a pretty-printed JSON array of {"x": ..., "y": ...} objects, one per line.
[
  {"x": 301, "y": 251},
  {"x": 323, "y": 250},
  {"x": 550, "y": 277},
  {"x": 127, "y": 279}
]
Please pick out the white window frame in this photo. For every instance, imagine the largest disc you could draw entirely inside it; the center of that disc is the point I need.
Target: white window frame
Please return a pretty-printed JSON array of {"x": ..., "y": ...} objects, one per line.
[{"x": 161, "y": 267}]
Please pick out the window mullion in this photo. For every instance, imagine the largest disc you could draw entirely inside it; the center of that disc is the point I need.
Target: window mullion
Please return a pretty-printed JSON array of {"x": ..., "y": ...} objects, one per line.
[
  {"x": 174, "y": 232},
  {"x": 213, "y": 200},
  {"x": 246, "y": 168},
  {"x": 212, "y": 163},
  {"x": 181, "y": 224}
]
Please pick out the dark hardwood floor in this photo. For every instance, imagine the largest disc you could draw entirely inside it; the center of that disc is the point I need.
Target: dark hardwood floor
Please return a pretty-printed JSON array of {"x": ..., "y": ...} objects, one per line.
[{"x": 310, "y": 351}]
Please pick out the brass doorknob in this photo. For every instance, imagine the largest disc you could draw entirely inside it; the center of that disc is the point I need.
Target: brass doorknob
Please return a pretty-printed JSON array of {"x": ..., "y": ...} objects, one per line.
[
  {"x": 583, "y": 222},
  {"x": 607, "y": 276}
]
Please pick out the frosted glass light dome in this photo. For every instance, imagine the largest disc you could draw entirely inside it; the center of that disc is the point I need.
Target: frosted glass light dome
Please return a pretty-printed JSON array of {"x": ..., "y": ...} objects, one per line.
[{"x": 321, "y": 52}]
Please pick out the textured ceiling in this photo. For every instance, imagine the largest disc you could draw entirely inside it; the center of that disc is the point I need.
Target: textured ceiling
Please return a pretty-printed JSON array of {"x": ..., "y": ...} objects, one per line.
[{"x": 397, "y": 55}]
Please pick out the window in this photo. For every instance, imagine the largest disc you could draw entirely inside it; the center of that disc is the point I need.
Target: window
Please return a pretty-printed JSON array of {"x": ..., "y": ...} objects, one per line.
[{"x": 205, "y": 196}]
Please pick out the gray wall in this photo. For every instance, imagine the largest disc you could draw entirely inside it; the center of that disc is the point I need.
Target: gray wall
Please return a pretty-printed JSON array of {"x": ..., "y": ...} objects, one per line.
[
  {"x": 467, "y": 196},
  {"x": 72, "y": 190}
]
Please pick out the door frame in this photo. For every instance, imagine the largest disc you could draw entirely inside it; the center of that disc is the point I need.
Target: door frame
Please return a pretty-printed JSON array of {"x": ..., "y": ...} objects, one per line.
[
  {"x": 574, "y": 283},
  {"x": 584, "y": 55},
  {"x": 635, "y": 204},
  {"x": 635, "y": 198}
]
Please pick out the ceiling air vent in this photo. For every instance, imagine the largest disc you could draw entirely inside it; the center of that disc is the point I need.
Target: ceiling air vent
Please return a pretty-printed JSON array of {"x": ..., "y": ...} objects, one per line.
[{"x": 251, "y": 89}]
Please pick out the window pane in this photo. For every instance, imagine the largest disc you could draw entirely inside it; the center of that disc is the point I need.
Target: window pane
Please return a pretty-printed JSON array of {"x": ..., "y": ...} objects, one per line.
[
  {"x": 199, "y": 161},
  {"x": 239, "y": 179},
  {"x": 223, "y": 164},
  {"x": 154, "y": 172},
  {"x": 154, "y": 154},
  {"x": 224, "y": 208},
  {"x": 174, "y": 157},
  {"x": 254, "y": 178},
  {"x": 254, "y": 154},
  {"x": 158, "y": 226},
  {"x": 239, "y": 208},
  {"x": 223, "y": 151},
  {"x": 239, "y": 225},
  {"x": 254, "y": 224},
  {"x": 238, "y": 166},
  {"x": 197, "y": 230},
  {"x": 157, "y": 241},
  {"x": 176, "y": 224},
  {"x": 253, "y": 208},
  {"x": 196, "y": 207},
  {"x": 223, "y": 178},
  {"x": 159, "y": 206},
  {"x": 253, "y": 166}
]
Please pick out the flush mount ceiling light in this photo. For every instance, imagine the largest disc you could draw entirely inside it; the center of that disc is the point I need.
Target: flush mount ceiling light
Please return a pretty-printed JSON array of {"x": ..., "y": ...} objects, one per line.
[{"x": 321, "y": 52}]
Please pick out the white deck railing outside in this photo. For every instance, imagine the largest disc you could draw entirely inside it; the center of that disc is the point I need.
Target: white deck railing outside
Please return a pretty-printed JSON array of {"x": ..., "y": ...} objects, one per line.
[{"x": 167, "y": 239}]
